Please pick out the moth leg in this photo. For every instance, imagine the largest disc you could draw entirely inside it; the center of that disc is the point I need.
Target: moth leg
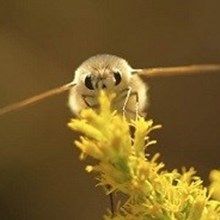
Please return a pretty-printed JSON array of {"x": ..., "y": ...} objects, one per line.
[
  {"x": 136, "y": 104},
  {"x": 84, "y": 97},
  {"x": 126, "y": 100},
  {"x": 136, "y": 112}
]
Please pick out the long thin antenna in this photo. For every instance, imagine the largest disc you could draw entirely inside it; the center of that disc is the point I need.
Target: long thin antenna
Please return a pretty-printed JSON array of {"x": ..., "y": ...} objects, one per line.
[
  {"x": 179, "y": 70},
  {"x": 18, "y": 105}
]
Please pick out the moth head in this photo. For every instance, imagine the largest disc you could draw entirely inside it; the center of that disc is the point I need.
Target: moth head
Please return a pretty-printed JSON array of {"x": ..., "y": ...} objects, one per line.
[{"x": 103, "y": 72}]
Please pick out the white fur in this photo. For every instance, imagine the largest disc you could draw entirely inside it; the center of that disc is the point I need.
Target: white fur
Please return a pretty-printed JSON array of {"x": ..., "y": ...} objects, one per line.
[{"x": 104, "y": 66}]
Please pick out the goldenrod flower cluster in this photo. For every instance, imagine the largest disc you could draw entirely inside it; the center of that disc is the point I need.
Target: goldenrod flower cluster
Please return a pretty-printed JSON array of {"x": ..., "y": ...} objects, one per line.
[
  {"x": 215, "y": 184},
  {"x": 119, "y": 147}
]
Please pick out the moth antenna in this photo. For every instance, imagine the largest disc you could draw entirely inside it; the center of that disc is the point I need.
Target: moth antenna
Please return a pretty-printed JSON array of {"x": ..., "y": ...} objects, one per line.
[
  {"x": 179, "y": 70},
  {"x": 19, "y": 105}
]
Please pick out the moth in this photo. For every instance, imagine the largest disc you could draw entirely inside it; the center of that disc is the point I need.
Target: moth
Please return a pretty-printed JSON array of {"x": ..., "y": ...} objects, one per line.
[{"x": 113, "y": 74}]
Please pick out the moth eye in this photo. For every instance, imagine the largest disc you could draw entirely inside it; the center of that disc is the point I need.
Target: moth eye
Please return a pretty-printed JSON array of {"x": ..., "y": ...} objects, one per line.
[
  {"x": 117, "y": 77},
  {"x": 88, "y": 82}
]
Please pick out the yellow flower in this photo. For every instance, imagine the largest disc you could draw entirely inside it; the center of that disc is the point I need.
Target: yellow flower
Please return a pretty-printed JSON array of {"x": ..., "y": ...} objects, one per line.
[
  {"x": 153, "y": 193},
  {"x": 215, "y": 184}
]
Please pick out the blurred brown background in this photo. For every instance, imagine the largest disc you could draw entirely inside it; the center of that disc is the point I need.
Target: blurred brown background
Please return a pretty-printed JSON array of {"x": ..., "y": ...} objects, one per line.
[{"x": 42, "y": 42}]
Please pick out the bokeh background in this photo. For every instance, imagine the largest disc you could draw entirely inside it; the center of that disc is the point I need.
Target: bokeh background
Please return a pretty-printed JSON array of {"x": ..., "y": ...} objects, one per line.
[{"x": 42, "y": 42}]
